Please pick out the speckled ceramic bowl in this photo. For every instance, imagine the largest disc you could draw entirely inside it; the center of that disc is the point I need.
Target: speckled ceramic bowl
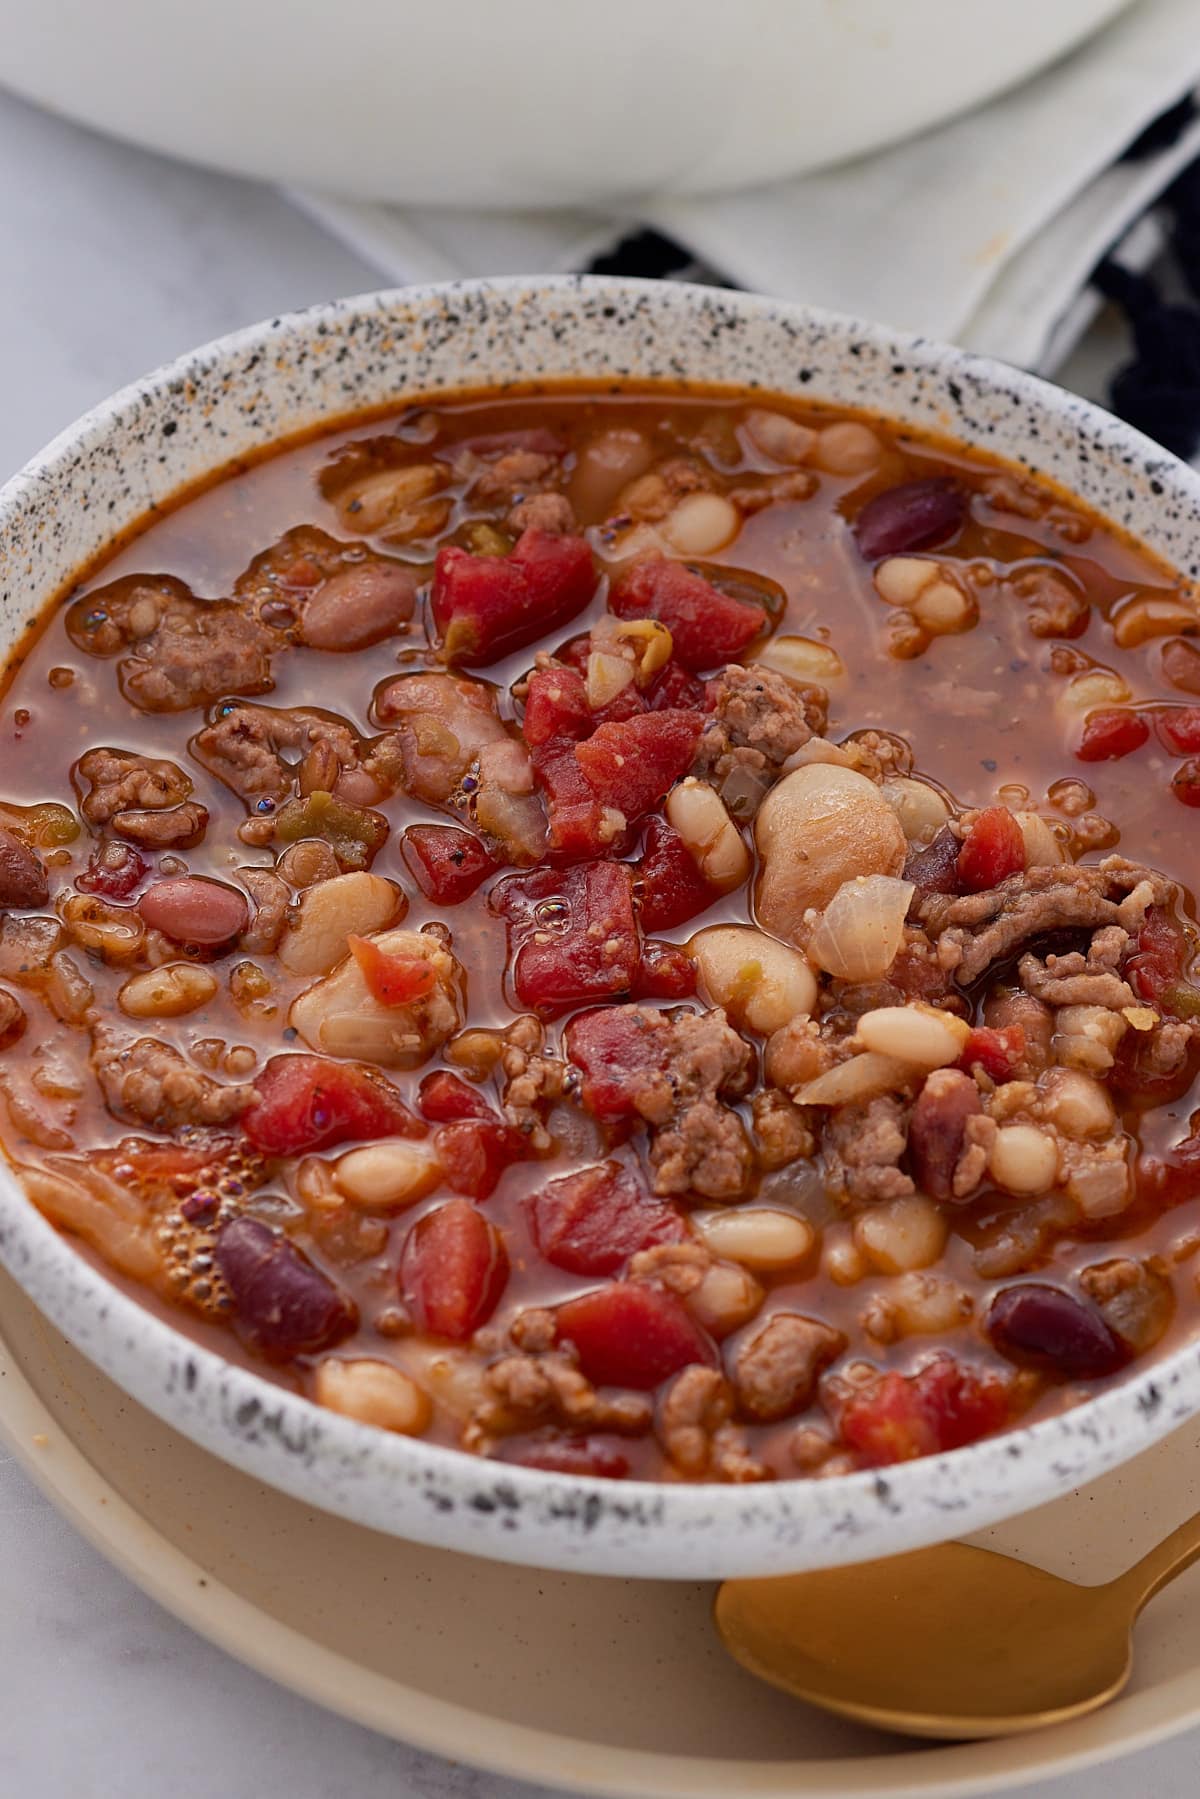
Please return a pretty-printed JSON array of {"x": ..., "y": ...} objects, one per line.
[{"x": 284, "y": 376}]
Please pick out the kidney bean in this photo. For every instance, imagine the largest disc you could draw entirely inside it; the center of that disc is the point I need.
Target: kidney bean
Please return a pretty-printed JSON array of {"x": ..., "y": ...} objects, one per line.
[
  {"x": 360, "y": 605},
  {"x": 938, "y": 1127},
  {"x": 935, "y": 868},
  {"x": 1045, "y": 1327},
  {"x": 22, "y": 877},
  {"x": 914, "y": 516},
  {"x": 193, "y": 909},
  {"x": 283, "y": 1304}
]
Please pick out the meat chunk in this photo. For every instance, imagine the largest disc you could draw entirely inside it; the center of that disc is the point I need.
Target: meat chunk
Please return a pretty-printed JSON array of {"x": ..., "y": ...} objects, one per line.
[
  {"x": 550, "y": 512},
  {"x": 775, "y": 1373},
  {"x": 757, "y": 720},
  {"x": 264, "y": 753},
  {"x": 184, "y": 651},
  {"x": 139, "y": 797},
  {"x": 1005, "y": 1009},
  {"x": 1077, "y": 979},
  {"x": 699, "y": 1145},
  {"x": 1135, "y": 1299},
  {"x": 949, "y": 1136},
  {"x": 271, "y": 898},
  {"x": 523, "y": 1390},
  {"x": 978, "y": 929},
  {"x": 440, "y": 724},
  {"x": 532, "y": 1082},
  {"x": 150, "y": 1083},
  {"x": 863, "y": 1146},
  {"x": 329, "y": 594},
  {"x": 694, "y": 1408},
  {"x": 22, "y": 875},
  {"x": 782, "y": 1132}
]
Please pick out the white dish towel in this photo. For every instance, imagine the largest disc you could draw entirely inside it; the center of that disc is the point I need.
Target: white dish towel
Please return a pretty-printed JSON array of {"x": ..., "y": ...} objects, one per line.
[{"x": 983, "y": 231}]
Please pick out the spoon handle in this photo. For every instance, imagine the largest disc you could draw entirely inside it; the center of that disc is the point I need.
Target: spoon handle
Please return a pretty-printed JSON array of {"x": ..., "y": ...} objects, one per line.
[{"x": 1169, "y": 1558}]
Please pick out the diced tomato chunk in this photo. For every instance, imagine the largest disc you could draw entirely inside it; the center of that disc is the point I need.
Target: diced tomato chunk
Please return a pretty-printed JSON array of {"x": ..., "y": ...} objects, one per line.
[
  {"x": 558, "y": 1454},
  {"x": 592, "y": 1221},
  {"x": 672, "y": 887},
  {"x": 453, "y": 1269},
  {"x": 675, "y": 688},
  {"x": 630, "y": 765},
  {"x": 115, "y": 871},
  {"x": 1157, "y": 962},
  {"x": 446, "y": 863},
  {"x": 707, "y": 626},
  {"x": 997, "y": 1050},
  {"x": 579, "y": 826},
  {"x": 573, "y": 932},
  {"x": 992, "y": 850},
  {"x": 667, "y": 972},
  {"x": 942, "y": 1406},
  {"x": 1178, "y": 729},
  {"x": 474, "y": 1152},
  {"x": 631, "y": 1334},
  {"x": 487, "y": 606},
  {"x": 444, "y": 1098},
  {"x": 1110, "y": 733},
  {"x": 615, "y": 1051},
  {"x": 312, "y": 1102},
  {"x": 1185, "y": 782},
  {"x": 392, "y": 980},
  {"x": 556, "y": 706}
]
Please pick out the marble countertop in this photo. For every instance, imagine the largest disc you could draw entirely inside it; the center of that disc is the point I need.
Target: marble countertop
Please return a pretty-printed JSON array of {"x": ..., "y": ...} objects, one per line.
[{"x": 113, "y": 262}]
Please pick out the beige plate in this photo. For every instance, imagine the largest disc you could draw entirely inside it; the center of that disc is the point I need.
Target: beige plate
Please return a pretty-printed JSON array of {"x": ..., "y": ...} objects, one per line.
[{"x": 602, "y": 1686}]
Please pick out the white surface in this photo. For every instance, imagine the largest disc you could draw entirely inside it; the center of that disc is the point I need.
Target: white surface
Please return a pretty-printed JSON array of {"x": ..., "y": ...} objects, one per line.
[
  {"x": 103, "y": 1694},
  {"x": 526, "y": 103}
]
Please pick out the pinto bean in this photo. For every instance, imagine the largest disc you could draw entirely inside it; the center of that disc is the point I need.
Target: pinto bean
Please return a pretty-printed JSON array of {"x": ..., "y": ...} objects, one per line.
[
  {"x": 22, "y": 877},
  {"x": 284, "y": 1304},
  {"x": 193, "y": 909},
  {"x": 360, "y": 605},
  {"x": 937, "y": 1129}
]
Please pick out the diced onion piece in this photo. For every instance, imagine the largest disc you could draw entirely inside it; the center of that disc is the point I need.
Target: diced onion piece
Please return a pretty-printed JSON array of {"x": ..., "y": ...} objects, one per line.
[
  {"x": 801, "y": 659},
  {"x": 862, "y": 927},
  {"x": 924, "y": 1036},
  {"x": 1042, "y": 847},
  {"x": 383, "y": 1177},
  {"x": 652, "y": 642},
  {"x": 762, "y": 1238},
  {"x": 862, "y": 1077},
  {"x": 607, "y": 676},
  {"x": 762, "y": 983},
  {"x": 712, "y": 839}
]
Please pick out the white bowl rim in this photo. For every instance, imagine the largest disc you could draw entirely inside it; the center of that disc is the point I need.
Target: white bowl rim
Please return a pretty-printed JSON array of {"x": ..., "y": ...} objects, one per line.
[{"x": 659, "y": 1529}]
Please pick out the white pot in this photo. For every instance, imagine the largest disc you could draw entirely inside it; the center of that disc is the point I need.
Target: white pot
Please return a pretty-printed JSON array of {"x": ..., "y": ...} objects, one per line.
[
  {"x": 276, "y": 379},
  {"x": 530, "y": 102}
]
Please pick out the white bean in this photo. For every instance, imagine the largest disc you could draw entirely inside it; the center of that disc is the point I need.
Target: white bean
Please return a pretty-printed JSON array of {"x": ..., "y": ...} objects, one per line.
[
  {"x": 862, "y": 1077},
  {"x": 781, "y": 438},
  {"x": 1042, "y": 847},
  {"x": 920, "y": 808},
  {"x": 901, "y": 1234},
  {"x": 383, "y": 1177},
  {"x": 759, "y": 1237},
  {"x": 847, "y": 448},
  {"x": 1078, "y": 1105},
  {"x": 1023, "y": 1159},
  {"x": 763, "y": 984},
  {"x": 925, "y": 1036},
  {"x": 1093, "y": 688},
  {"x": 927, "y": 1304},
  {"x": 374, "y": 1393},
  {"x": 701, "y": 523},
  {"x": 801, "y": 659},
  {"x": 340, "y": 1015},
  {"x": 714, "y": 842},
  {"x": 167, "y": 992},
  {"x": 727, "y": 1297},
  {"x": 352, "y": 904},
  {"x": 818, "y": 827}
]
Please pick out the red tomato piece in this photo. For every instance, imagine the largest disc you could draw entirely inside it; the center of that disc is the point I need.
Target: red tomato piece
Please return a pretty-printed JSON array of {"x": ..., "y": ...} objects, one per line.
[
  {"x": 592, "y": 1221},
  {"x": 487, "y": 606},
  {"x": 557, "y": 1454},
  {"x": 1111, "y": 733},
  {"x": 615, "y": 1051},
  {"x": 992, "y": 850},
  {"x": 572, "y": 933},
  {"x": 444, "y": 1098},
  {"x": 556, "y": 707},
  {"x": 579, "y": 826},
  {"x": 672, "y": 887},
  {"x": 1185, "y": 782},
  {"x": 447, "y": 864},
  {"x": 312, "y": 1102},
  {"x": 630, "y": 1334},
  {"x": 667, "y": 972},
  {"x": 392, "y": 980},
  {"x": 115, "y": 871},
  {"x": 453, "y": 1269},
  {"x": 997, "y": 1051},
  {"x": 1172, "y": 1179},
  {"x": 630, "y": 765},
  {"x": 474, "y": 1152},
  {"x": 675, "y": 689},
  {"x": 707, "y": 626},
  {"x": 1158, "y": 961},
  {"x": 1178, "y": 729},
  {"x": 1181, "y": 664},
  {"x": 942, "y": 1406}
]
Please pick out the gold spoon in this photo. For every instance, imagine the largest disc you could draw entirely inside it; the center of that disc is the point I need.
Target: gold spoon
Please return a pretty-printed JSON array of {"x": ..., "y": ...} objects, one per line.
[{"x": 947, "y": 1642}]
